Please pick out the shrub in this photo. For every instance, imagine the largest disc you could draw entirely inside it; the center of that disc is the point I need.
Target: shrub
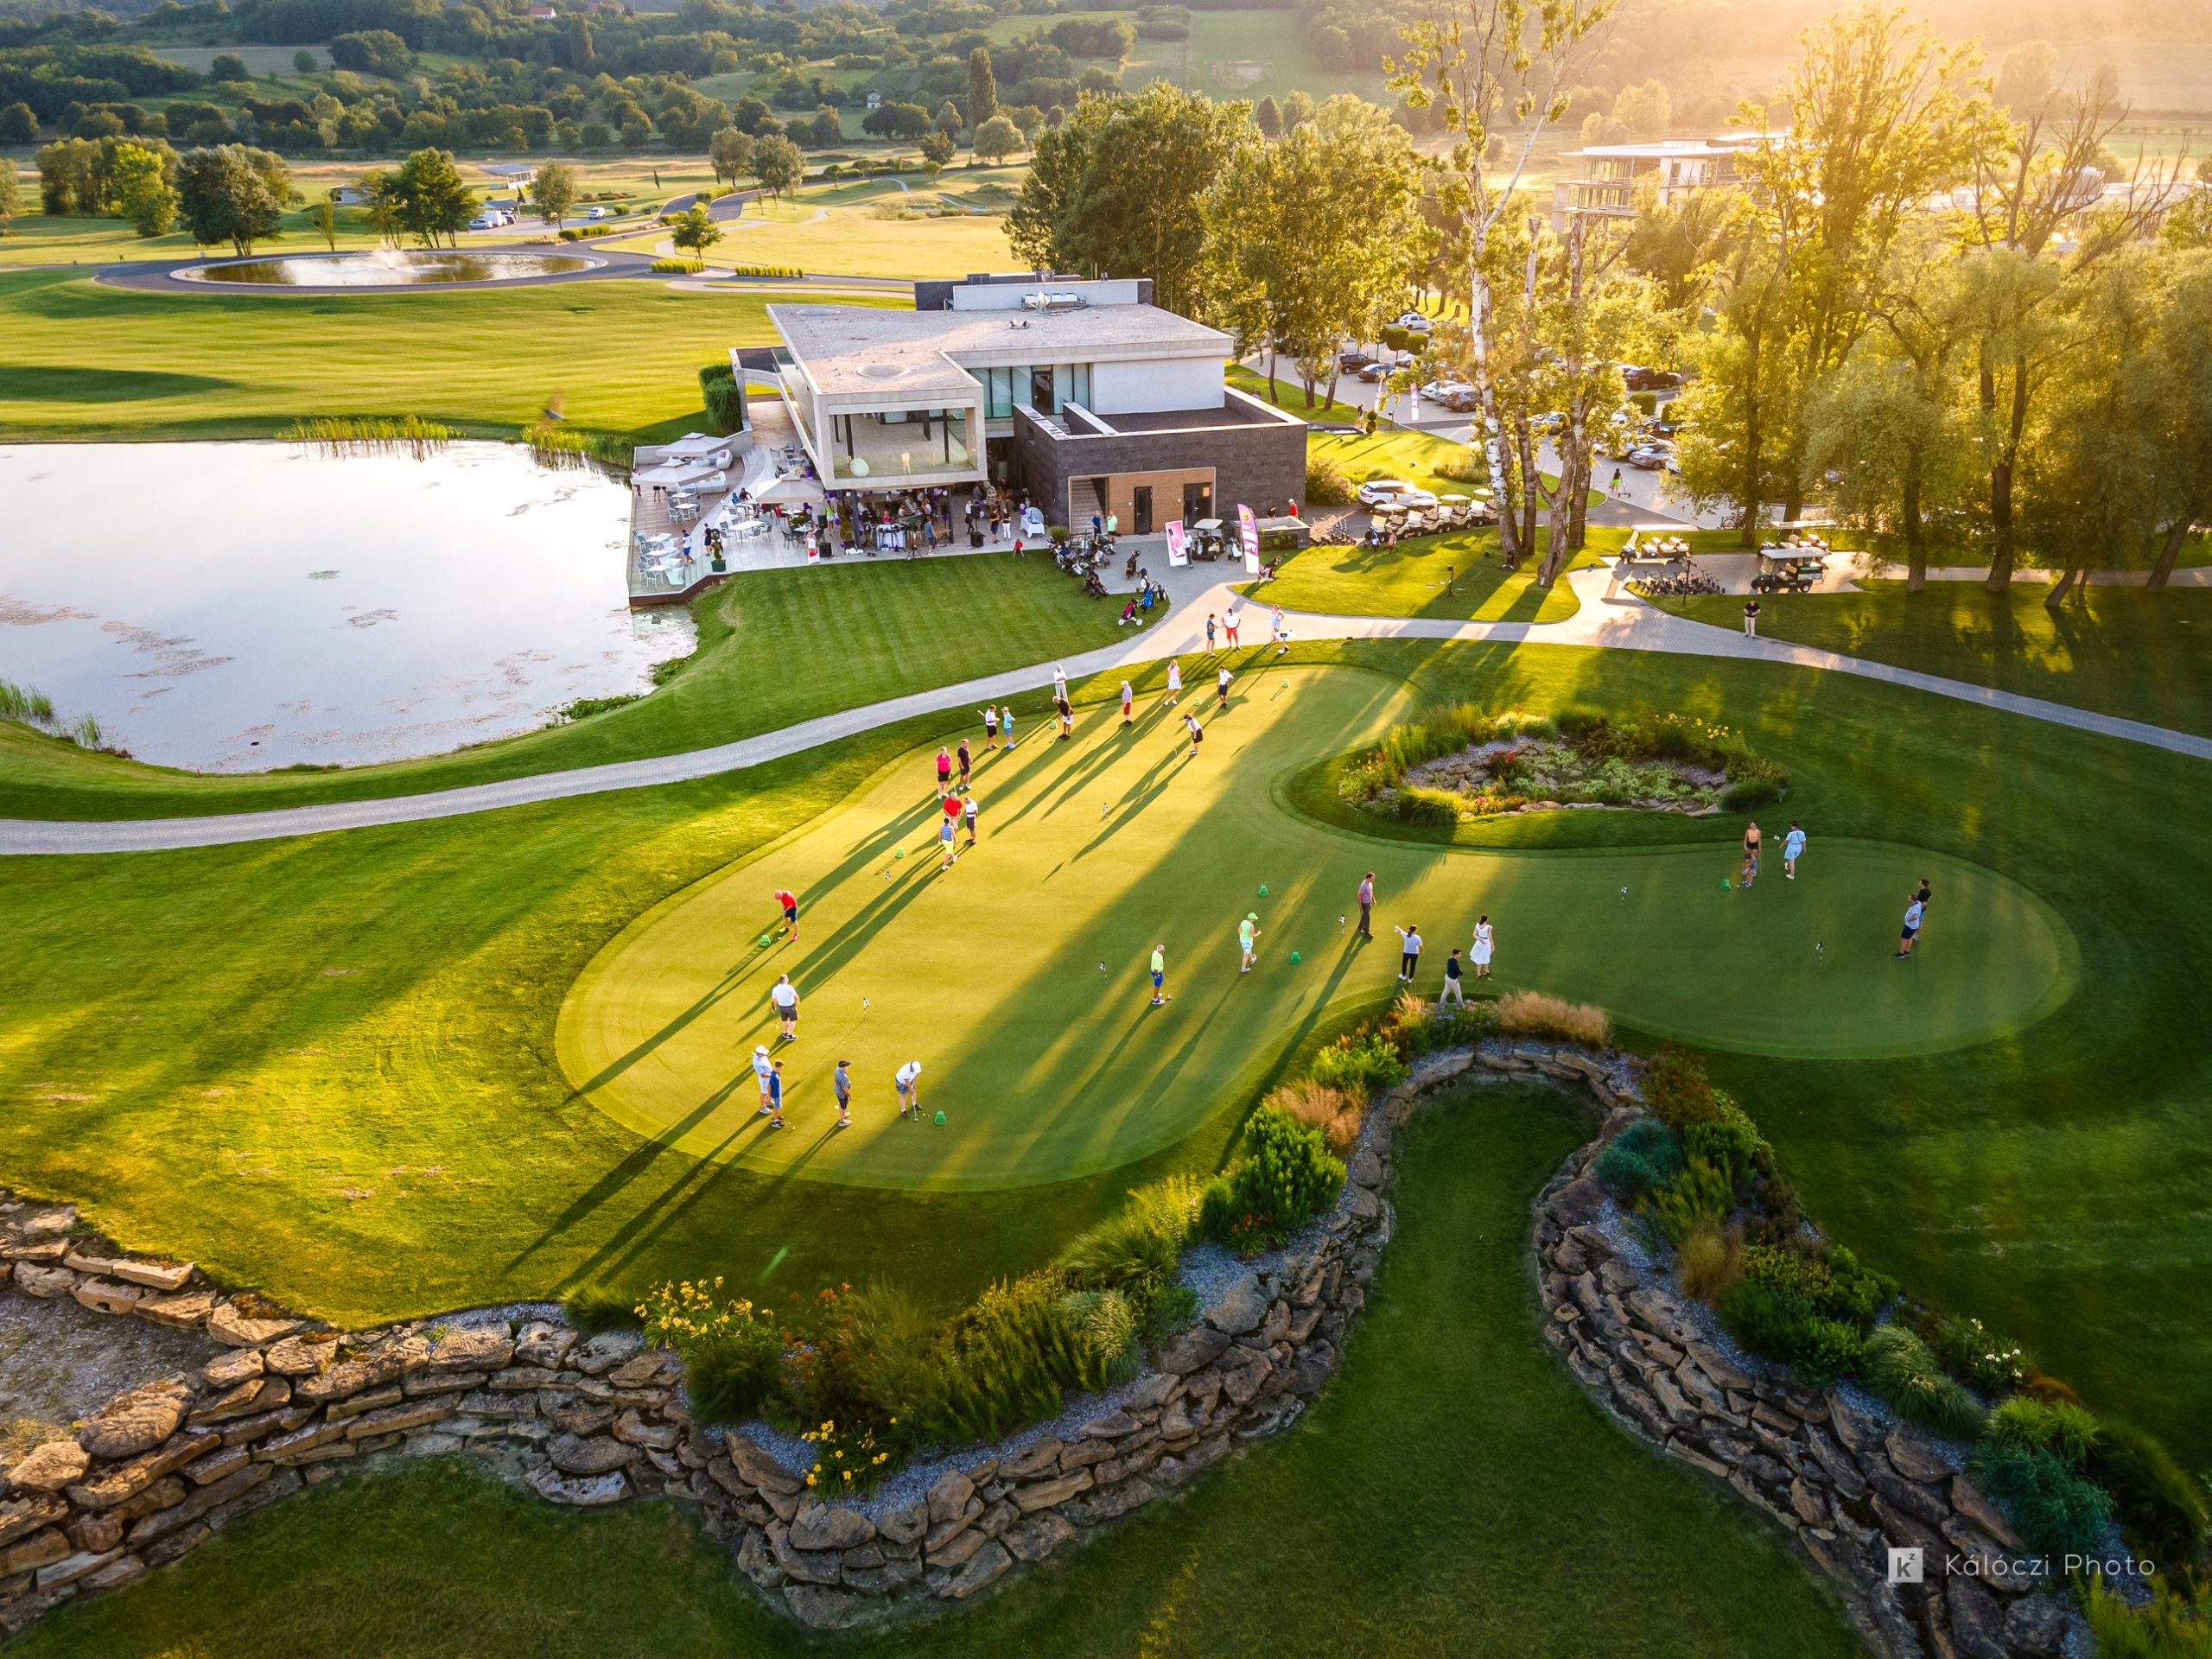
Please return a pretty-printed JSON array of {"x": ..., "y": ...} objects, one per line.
[
  {"x": 849, "y": 1461},
  {"x": 1835, "y": 1286},
  {"x": 1175, "y": 1310},
  {"x": 733, "y": 1352},
  {"x": 1135, "y": 1251},
  {"x": 2068, "y": 1430},
  {"x": 1968, "y": 1349},
  {"x": 1325, "y": 483},
  {"x": 1330, "y": 1110},
  {"x": 2160, "y": 1504},
  {"x": 672, "y": 267},
  {"x": 1532, "y": 1014},
  {"x": 1464, "y": 1023},
  {"x": 1728, "y": 1139},
  {"x": 1360, "y": 1066},
  {"x": 2056, "y": 1511},
  {"x": 1265, "y": 1197},
  {"x": 1644, "y": 1156},
  {"x": 1712, "y": 1262},
  {"x": 1904, "y": 1373},
  {"x": 1676, "y": 1089},
  {"x": 723, "y": 396},
  {"x": 1417, "y": 804},
  {"x": 595, "y": 1308},
  {"x": 1699, "y": 1194},
  {"x": 1001, "y": 1362},
  {"x": 570, "y": 233},
  {"x": 1749, "y": 794},
  {"x": 1109, "y": 1326},
  {"x": 1787, "y": 1327},
  {"x": 2166, "y": 1629}
]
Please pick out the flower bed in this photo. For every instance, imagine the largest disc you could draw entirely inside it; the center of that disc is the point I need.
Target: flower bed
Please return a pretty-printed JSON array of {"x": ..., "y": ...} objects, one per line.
[{"x": 1455, "y": 762}]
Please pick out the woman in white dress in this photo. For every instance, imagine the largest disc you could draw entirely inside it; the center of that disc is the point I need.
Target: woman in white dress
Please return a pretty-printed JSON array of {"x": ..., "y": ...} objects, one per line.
[
  {"x": 1483, "y": 944},
  {"x": 1174, "y": 680}
]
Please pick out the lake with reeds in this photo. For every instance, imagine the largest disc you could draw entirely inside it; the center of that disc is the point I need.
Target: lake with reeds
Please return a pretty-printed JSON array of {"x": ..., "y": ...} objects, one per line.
[{"x": 234, "y": 607}]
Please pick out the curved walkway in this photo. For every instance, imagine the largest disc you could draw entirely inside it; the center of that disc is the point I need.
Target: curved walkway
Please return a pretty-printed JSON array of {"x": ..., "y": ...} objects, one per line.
[{"x": 1603, "y": 622}]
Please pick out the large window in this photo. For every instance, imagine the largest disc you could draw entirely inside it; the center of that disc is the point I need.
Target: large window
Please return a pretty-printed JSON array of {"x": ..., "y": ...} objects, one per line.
[
  {"x": 1045, "y": 387},
  {"x": 900, "y": 443}
]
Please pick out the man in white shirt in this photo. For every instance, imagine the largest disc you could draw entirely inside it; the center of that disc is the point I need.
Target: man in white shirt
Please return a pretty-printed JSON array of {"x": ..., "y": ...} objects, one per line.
[
  {"x": 1913, "y": 912},
  {"x": 784, "y": 995},
  {"x": 909, "y": 1082},
  {"x": 763, "y": 1069}
]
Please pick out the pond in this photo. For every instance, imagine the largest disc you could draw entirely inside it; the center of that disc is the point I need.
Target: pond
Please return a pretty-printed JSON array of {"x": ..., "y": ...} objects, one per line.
[
  {"x": 387, "y": 268},
  {"x": 233, "y": 607}
]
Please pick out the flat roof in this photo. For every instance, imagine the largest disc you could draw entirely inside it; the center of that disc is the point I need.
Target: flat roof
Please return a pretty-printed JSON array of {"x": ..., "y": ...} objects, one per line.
[{"x": 858, "y": 348}]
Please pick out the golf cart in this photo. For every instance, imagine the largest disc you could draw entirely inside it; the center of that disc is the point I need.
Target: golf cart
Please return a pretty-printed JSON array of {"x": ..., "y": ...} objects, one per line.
[
  {"x": 1782, "y": 572},
  {"x": 1207, "y": 539}
]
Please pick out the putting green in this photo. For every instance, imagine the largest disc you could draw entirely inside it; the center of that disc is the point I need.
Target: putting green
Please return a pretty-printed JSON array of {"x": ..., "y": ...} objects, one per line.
[{"x": 1096, "y": 848}]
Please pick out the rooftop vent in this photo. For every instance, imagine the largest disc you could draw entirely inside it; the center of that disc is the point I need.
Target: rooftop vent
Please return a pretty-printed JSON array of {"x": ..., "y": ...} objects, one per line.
[{"x": 879, "y": 371}]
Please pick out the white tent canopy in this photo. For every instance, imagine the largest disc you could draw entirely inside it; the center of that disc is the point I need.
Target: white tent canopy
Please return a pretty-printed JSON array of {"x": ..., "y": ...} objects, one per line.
[
  {"x": 787, "y": 491},
  {"x": 674, "y": 473},
  {"x": 692, "y": 445}
]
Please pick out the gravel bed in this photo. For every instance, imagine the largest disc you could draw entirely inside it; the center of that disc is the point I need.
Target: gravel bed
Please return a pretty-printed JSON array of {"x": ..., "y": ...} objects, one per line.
[{"x": 60, "y": 1360}]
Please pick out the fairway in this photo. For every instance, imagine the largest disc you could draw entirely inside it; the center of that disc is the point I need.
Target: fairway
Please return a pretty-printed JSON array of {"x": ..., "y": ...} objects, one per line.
[{"x": 1095, "y": 849}]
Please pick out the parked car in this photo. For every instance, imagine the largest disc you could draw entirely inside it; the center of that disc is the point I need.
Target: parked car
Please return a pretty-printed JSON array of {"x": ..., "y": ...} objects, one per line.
[
  {"x": 1650, "y": 457},
  {"x": 1381, "y": 491},
  {"x": 1549, "y": 424},
  {"x": 1376, "y": 373},
  {"x": 483, "y": 222},
  {"x": 599, "y": 213},
  {"x": 1639, "y": 378},
  {"x": 1348, "y": 361},
  {"x": 1413, "y": 323},
  {"x": 1453, "y": 394}
]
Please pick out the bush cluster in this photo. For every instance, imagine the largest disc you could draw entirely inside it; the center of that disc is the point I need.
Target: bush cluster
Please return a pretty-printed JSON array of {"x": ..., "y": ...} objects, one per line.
[
  {"x": 1267, "y": 1195},
  {"x": 1645, "y": 1155},
  {"x": 675, "y": 267},
  {"x": 1532, "y": 1014},
  {"x": 1325, "y": 483}
]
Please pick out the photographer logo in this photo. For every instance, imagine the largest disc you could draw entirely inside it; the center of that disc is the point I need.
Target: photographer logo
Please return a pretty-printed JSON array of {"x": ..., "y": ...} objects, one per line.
[{"x": 1907, "y": 1565}]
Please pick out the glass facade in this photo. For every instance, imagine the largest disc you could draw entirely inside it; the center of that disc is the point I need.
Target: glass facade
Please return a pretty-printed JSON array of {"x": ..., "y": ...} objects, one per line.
[
  {"x": 1044, "y": 387},
  {"x": 900, "y": 443}
]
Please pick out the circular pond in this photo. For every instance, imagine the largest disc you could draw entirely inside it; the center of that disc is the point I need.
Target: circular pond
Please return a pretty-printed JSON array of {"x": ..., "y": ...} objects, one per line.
[{"x": 385, "y": 268}]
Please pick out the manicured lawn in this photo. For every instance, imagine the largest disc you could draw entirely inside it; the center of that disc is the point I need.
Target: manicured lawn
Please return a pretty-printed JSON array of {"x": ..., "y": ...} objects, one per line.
[
  {"x": 775, "y": 647},
  {"x": 1289, "y": 393},
  {"x": 2142, "y": 655},
  {"x": 849, "y": 229},
  {"x": 1451, "y": 1492},
  {"x": 86, "y": 360},
  {"x": 1457, "y": 575},
  {"x": 1036, "y": 1039}
]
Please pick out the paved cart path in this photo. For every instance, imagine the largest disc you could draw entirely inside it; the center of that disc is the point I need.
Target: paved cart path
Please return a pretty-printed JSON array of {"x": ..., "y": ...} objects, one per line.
[{"x": 1605, "y": 621}]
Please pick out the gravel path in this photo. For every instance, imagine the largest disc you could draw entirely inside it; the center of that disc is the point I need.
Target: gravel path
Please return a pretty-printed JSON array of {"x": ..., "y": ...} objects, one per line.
[{"x": 59, "y": 1360}]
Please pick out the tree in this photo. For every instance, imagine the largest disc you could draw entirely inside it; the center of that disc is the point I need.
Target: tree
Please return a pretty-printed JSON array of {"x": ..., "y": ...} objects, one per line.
[
  {"x": 232, "y": 194},
  {"x": 983, "y": 88},
  {"x": 938, "y": 148},
  {"x": 2182, "y": 347},
  {"x": 229, "y": 66},
  {"x": 381, "y": 204},
  {"x": 1645, "y": 112},
  {"x": 1313, "y": 237},
  {"x": 11, "y": 194},
  {"x": 1121, "y": 187},
  {"x": 1297, "y": 110},
  {"x": 829, "y": 129},
  {"x": 434, "y": 202},
  {"x": 1493, "y": 66},
  {"x": 947, "y": 119},
  {"x": 554, "y": 192},
  {"x": 371, "y": 51},
  {"x": 731, "y": 153},
  {"x": 1028, "y": 120},
  {"x": 18, "y": 124},
  {"x": 996, "y": 139},
  {"x": 694, "y": 229},
  {"x": 778, "y": 166},
  {"x": 1268, "y": 118}
]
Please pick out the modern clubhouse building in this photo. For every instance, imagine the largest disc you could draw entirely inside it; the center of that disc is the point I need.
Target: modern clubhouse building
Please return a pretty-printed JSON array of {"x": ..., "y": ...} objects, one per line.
[{"x": 1083, "y": 395}]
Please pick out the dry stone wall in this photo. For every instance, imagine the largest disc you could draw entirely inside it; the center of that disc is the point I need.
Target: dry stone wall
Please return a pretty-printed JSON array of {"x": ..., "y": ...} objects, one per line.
[{"x": 588, "y": 1421}]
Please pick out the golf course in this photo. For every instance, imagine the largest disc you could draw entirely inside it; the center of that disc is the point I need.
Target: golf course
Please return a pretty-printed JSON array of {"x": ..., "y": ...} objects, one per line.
[{"x": 1016, "y": 976}]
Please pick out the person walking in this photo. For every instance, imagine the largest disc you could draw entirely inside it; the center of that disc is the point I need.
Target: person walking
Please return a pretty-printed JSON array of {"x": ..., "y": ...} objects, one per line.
[
  {"x": 1751, "y": 843},
  {"x": 908, "y": 1082},
  {"x": 841, "y": 1081},
  {"x": 1915, "y": 909},
  {"x": 1452, "y": 991},
  {"x": 1793, "y": 849},
  {"x": 1158, "y": 974},
  {"x": 1248, "y": 935},
  {"x": 1282, "y": 632},
  {"x": 1614, "y": 488},
  {"x": 1198, "y": 733},
  {"x": 1409, "y": 957},
  {"x": 1366, "y": 904},
  {"x": 1129, "y": 704},
  {"x": 1751, "y": 618},
  {"x": 787, "y": 901},
  {"x": 1174, "y": 680},
  {"x": 775, "y": 1107},
  {"x": 763, "y": 1069},
  {"x": 967, "y": 763},
  {"x": 1210, "y": 633},
  {"x": 1230, "y": 620},
  {"x": 784, "y": 995},
  {"x": 991, "y": 726},
  {"x": 944, "y": 770},
  {"x": 945, "y": 833},
  {"x": 1221, "y": 691},
  {"x": 968, "y": 811},
  {"x": 1485, "y": 943}
]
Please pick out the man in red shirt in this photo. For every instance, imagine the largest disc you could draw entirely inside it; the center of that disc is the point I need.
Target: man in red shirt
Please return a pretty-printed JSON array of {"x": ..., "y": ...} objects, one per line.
[{"x": 789, "y": 900}]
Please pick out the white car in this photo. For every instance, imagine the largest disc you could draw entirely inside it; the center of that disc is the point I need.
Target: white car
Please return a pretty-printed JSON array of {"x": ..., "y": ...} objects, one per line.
[
  {"x": 483, "y": 222},
  {"x": 597, "y": 213},
  {"x": 1414, "y": 322},
  {"x": 1381, "y": 491}
]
